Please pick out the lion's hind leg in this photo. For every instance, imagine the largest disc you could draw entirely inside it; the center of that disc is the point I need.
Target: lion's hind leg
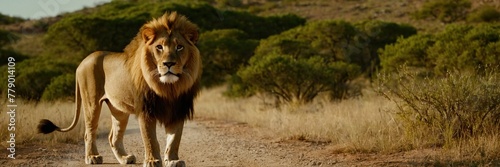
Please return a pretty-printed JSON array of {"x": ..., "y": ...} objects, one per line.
[
  {"x": 119, "y": 124},
  {"x": 92, "y": 113}
]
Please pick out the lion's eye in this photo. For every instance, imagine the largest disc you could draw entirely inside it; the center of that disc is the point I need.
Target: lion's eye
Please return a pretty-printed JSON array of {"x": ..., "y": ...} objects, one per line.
[
  {"x": 159, "y": 47},
  {"x": 179, "y": 47}
]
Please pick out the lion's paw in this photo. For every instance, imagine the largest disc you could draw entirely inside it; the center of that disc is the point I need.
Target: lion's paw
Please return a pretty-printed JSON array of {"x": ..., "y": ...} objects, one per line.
[
  {"x": 128, "y": 159},
  {"x": 93, "y": 159},
  {"x": 175, "y": 163},
  {"x": 152, "y": 163}
]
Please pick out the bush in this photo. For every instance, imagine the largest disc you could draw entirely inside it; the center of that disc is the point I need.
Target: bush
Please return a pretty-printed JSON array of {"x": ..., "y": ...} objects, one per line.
[
  {"x": 298, "y": 64},
  {"x": 5, "y": 20},
  {"x": 34, "y": 75},
  {"x": 60, "y": 87},
  {"x": 410, "y": 51},
  {"x": 297, "y": 81},
  {"x": 378, "y": 34},
  {"x": 74, "y": 37},
  {"x": 457, "y": 47},
  {"x": 224, "y": 51},
  {"x": 455, "y": 106},
  {"x": 484, "y": 14},
  {"x": 445, "y": 11},
  {"x": 7, "y": 38}
]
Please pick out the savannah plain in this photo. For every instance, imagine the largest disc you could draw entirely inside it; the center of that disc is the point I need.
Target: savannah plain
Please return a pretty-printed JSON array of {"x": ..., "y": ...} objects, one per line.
[{"x": 363, "y": 130}]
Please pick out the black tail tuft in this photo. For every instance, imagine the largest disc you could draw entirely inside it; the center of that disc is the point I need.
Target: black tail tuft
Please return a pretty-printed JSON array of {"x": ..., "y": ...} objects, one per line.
[{"x": 46, "y": 127}]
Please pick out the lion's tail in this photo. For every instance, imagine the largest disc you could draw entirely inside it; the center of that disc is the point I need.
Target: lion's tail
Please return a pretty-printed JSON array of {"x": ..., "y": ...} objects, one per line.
[{"x": 46, "y": 126}]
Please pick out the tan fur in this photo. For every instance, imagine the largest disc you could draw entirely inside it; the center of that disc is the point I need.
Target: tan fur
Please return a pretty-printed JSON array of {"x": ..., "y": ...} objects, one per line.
[{"x": 131, "y": 83}]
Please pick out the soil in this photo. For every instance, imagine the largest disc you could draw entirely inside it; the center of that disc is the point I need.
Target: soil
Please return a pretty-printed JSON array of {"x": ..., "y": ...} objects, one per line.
[{"x": 209, "y": 142}]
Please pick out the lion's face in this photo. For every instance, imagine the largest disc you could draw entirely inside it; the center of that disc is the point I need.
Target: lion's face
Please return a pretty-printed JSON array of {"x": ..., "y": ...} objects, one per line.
[
  {"x": 171, "y": 53},
  {"x": 170, "y": 61}
]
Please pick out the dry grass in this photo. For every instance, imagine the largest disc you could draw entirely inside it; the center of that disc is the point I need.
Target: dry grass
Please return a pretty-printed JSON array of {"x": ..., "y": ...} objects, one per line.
[
  {"x": 347, "y": 124},
  {"x": 28, "y": 114},
  {"x": 366, "y": 124}
]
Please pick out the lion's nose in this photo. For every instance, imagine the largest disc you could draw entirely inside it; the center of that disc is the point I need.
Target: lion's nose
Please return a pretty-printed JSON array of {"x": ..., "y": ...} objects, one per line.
[{"x": 169, "y": 64}]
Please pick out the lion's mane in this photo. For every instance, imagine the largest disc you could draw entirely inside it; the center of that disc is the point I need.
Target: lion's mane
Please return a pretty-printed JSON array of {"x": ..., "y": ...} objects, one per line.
[{"x": 165, "y": 102}]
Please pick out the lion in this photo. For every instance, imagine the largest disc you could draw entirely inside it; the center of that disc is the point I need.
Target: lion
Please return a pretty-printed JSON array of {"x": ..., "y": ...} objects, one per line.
[{"x": 156, "y": 78}]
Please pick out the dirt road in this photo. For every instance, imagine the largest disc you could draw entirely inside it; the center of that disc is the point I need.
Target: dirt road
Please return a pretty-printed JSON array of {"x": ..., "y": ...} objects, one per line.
[{"x": 211, "y": 143}]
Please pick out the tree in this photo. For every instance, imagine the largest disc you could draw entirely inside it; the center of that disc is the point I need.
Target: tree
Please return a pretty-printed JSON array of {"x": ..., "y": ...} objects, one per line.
[
  {"x": 378, "y": 34},
  {"x": 297, "y": 65},
  {"x": 5, "y": 20},
  {"x": 411, "y": 51},
  {"x": 445, "y": 11},
  {"x": 484, "y": 14},
  {"x": 224, "y": 51},
  {"x": 60, "y": 87},
  {"x": 7, "y": 38},
  {"x": 456, "y": 48}
]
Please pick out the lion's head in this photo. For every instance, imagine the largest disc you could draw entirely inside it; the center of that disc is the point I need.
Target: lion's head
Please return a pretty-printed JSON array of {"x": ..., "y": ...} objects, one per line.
[{"x": 165, "y": 52}]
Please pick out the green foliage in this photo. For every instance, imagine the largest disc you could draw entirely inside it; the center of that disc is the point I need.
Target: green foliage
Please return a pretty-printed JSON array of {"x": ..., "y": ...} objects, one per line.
[
  {"x": 298, "y": 64},
  {"x": 458, "y": 47},
  {"x": 60, "y": 87},
  {"x": 445, "y": 11},
  {"x": 5, "y": 54},
  {"x": 335, "y": 40},
  {"x": 77, "y": 36},
  {"x": 5, "y": 20},
  {"x": 6, "y": 38},
  {"x": 484, "y": 14},
  {"x": 224, "y": 51},
  {"x": 455, "y": 106},
  {"x": 205, "y": 16},
  {"x": 297, "y": 81},
  {"x": 410, "y": 51},
  {"x": 229, "y": 3},
  {"x": 113, "y": 25},
  {"x": 378, "y": 34},
  {"x": 35, "y": 74}
]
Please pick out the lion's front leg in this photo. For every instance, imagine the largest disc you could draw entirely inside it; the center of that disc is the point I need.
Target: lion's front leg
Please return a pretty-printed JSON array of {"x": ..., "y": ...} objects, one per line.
[
  {"x": 152, "y": 155},
  {"x": 174, "y": 134}
]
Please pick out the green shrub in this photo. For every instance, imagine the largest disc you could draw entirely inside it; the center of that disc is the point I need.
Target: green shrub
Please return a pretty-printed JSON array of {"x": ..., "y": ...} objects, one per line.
[
  {"x": 5, "y": 20},
  {"x": 455, "y": 106},
  {"x": 298, "y": 64},
  {"x": 75, "y": 37},
  {"x": 224, "y": 51},
  {"x": 34, "y": 75},
  {"x": 411, "y": 51},
  {"x": 484, "y": 14},
  {"x": 297, "y": 81},
  {"x": 377, "y": 34},
  {"x": 6, "y": 38},
  {"x": 60, "y": 87},
  {"x": 445, "y": 11},
  {"x": 457, "y": 47}
]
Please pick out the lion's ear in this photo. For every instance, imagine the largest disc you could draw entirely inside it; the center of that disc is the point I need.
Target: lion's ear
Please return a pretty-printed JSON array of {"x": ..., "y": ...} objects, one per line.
[
  {"x": 192, "y": 36},
  {"x": 148, "y": 34}
]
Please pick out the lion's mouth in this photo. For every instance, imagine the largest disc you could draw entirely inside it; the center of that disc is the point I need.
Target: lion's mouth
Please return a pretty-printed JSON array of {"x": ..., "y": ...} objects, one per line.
[
  {"x": 170, "y": 73},
  {"x": 169, "y": 77}
]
